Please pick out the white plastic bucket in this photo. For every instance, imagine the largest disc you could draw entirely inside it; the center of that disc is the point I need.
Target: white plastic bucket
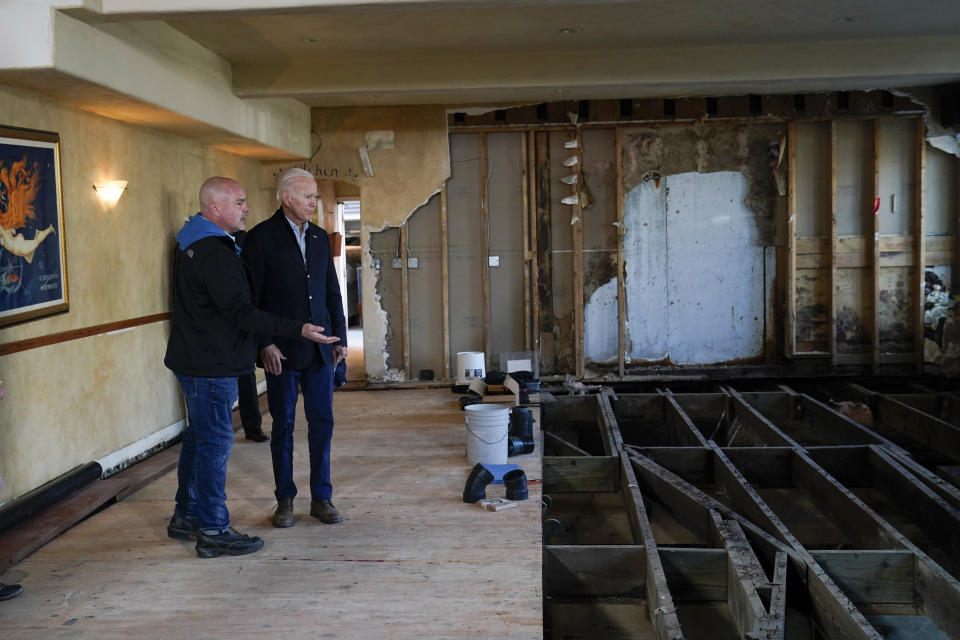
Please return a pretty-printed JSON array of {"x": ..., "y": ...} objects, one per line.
[
  {"x": 487, "y": 429},
  {"x": 470, "y": 365}
]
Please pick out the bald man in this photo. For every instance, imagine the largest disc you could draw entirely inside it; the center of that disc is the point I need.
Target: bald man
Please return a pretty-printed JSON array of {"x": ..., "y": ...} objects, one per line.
[{"x": 213, "y": 323}]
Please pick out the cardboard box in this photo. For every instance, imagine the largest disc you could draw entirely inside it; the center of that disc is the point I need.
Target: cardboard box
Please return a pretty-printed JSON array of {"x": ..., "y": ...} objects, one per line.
[{"x": 508, "y": 392}]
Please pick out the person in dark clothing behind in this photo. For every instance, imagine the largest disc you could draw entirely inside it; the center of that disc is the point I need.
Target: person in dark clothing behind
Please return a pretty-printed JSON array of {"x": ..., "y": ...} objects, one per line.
[
  {"x": 248, "y": 403},
  {"x": 211, "y": 344}
]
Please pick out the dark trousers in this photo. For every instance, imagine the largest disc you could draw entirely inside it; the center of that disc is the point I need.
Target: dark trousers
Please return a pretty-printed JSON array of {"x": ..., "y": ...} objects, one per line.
[
  {"x": 316, "y": 383},
  {"x": 249, "y": 404}
]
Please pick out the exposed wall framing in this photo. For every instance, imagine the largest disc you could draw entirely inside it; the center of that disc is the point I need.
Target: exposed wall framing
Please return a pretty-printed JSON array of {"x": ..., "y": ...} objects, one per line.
[{"x": 836, "y": 199}]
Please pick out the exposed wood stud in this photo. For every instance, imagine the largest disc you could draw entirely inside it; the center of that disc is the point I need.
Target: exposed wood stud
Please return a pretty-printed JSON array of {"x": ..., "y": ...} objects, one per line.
[
  {"x": 405, "y": 298},
  {"x": 790, "y": 326},
  {"x": 956, "y": 221},
  {"x": 920, "y": 188},
  {"x": 532, "y": 261},
  {"x": 445, "y": 281},
  {"x": 485, "y": 248},
  {"x": 525, "y": 233},
  {"x": 875, "y": 264},
  {"x": 833, "y": 242},
  {"x": 543, "y": 300},
  {"x": 621, "y": 285},
  {"x": 578, "y": 259}
]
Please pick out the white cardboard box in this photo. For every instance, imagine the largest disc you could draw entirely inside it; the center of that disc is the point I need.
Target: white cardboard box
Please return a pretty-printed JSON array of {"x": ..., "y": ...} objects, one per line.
[{"x": 508, "y": 392}]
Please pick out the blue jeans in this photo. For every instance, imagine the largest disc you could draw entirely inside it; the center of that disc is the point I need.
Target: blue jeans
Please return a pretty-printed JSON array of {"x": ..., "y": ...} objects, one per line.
[
  {"x": 207, "y": 440},
  {"x": 316, "y": 382}
]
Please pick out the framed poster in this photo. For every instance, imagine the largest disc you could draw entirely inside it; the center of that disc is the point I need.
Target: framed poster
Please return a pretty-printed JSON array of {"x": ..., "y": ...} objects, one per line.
[{"x": 33, "y": 261}]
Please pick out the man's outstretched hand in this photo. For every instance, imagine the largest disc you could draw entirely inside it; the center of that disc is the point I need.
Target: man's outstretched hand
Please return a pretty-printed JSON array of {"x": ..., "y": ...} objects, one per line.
[{"x": 314, "y": 333}]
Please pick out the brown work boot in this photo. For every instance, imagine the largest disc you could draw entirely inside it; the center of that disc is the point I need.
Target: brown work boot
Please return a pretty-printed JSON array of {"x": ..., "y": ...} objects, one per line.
[
  {"x": 325, "y": 511},
  {"x": 283, "y": 517}
]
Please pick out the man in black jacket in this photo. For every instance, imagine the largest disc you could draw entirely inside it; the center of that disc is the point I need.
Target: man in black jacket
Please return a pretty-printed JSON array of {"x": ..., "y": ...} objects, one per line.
[
  {"x": 211, "y": 343},
  {"x": 293, "y": 275}
]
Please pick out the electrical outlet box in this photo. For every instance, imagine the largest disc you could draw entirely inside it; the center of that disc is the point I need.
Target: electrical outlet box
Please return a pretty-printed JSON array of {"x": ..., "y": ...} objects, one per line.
[
  {"x": 413, "y": 263},
  {"x": 398, "y": 263},
  {"x": 376, "y": 263},
  {"x": 493, "y": 261}
]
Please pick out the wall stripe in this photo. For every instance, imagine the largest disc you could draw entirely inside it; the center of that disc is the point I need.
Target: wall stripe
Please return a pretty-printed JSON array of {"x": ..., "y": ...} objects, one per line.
[{"x": 76, "y": 334}]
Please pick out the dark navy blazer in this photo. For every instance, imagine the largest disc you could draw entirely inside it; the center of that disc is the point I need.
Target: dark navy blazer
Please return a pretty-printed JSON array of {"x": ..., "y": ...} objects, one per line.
[{"x": 285, "y": 286}]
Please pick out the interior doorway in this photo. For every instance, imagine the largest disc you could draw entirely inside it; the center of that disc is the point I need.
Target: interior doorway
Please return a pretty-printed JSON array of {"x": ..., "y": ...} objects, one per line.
[
  {"x": 349, "y": 213},
  {"x": 340, "y": 217}
]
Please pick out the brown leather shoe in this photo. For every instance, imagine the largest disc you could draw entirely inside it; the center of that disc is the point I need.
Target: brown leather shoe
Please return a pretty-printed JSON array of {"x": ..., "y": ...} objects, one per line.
[
  {"x": 325, "y": 511},
  {"x": 283, "y": 516}
]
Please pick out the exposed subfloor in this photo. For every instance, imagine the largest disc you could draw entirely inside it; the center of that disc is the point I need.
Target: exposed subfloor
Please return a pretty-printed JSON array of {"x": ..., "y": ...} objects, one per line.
[
  {"x": 410, "y": 559},
  {"x": 764, "y": 514}
]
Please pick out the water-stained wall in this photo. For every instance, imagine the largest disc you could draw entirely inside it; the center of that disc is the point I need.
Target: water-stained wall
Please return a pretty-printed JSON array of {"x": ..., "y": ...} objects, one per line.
[{"x": 76, "y": 401}]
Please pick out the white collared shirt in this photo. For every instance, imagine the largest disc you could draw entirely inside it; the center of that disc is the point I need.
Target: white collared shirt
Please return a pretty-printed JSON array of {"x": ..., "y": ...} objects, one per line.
[{"x": 301, "y": 235}]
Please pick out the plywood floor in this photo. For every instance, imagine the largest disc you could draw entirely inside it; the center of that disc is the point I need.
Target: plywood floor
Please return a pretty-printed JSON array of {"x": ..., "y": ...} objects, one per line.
[{"x": 410, "y": 559}]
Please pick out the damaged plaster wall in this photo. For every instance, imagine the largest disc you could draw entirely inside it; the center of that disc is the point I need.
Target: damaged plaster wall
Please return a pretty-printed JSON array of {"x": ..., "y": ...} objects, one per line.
[
  {"x": 699, "y": 212},
  {"x": 404, "y": 177}
]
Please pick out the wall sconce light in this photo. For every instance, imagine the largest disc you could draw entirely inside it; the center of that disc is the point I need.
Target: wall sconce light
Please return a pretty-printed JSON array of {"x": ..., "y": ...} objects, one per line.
[{"x": 109, "y": 191}]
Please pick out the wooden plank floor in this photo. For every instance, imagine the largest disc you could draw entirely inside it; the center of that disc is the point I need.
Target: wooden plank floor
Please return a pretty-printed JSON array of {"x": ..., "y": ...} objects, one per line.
[{"x": 410, "y": 559}]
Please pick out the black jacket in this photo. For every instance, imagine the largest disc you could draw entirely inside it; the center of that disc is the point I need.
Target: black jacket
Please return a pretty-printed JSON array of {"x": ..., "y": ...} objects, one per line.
[
  {"x": 214, "y": 318},
  {"x": 284, "y": 285}
]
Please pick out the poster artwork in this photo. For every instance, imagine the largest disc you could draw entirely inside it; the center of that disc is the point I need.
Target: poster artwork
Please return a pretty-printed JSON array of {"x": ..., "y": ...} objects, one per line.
[{"x": 32, "y": 260}]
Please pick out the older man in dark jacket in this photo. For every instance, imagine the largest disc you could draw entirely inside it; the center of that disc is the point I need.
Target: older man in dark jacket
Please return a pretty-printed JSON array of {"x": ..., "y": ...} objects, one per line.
[
  {"x": 211, "y": 343},
  {"x": 293, "y": 275}
]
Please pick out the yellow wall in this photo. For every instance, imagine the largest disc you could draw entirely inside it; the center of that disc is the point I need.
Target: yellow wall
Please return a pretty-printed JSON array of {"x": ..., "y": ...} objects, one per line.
[{"x": 74, "y": 402}]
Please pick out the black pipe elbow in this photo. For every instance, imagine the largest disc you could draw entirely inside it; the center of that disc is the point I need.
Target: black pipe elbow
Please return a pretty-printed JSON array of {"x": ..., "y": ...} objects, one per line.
[
  {"x": 517, "y": 446},
  {"x": 476, "y": 487},
  {"x": 516, "y": 483}
]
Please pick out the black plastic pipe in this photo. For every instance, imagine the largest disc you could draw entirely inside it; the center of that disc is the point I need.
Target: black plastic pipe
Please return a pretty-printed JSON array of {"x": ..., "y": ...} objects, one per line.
[
  {"x": 475, "y": 488},
  {"x": 516, "y": 483}
]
